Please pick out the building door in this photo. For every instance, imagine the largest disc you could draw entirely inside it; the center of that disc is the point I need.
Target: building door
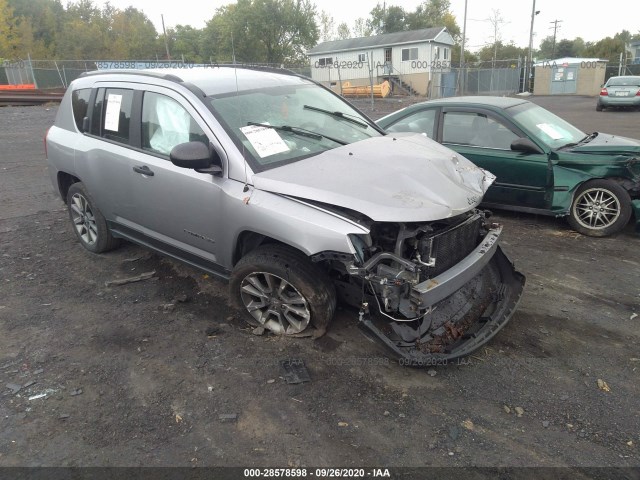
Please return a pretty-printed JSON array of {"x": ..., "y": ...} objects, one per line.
[
  {"x": 563, "y": 80},
  {"x": 388, "y": 61}
]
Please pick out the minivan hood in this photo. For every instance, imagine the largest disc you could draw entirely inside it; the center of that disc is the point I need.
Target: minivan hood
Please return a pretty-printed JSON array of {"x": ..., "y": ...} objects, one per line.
[
  {"x": 605, "y": 143},
  {"x": 401, "y": 177}
]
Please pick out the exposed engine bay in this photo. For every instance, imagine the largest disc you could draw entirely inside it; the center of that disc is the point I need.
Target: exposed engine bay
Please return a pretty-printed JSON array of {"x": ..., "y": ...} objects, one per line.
[{"x": 430, "y": 290}]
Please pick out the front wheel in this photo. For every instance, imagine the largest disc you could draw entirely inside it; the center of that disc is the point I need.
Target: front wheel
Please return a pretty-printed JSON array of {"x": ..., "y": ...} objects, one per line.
[
  {"x": 600, "y": 208},
  {"x": 279, "y": 289}
]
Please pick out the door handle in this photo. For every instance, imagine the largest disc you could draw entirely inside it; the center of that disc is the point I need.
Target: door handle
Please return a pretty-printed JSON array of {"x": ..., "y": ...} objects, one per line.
[{"x": 144, "y": 170}]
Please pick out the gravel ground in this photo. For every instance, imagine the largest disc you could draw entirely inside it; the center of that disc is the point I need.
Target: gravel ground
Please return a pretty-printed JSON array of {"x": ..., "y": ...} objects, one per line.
[{"x": 163, "y": 373}]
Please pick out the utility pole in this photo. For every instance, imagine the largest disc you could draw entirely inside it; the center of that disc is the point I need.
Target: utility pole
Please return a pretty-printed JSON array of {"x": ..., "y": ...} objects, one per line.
[
  {"x": 464, "y": 37},
  {"x": 496, "y": 20},
  {"x": 166, "y": 44},
  {"x": 529, "y": 64},
  {"x": 555, "y": 31}
]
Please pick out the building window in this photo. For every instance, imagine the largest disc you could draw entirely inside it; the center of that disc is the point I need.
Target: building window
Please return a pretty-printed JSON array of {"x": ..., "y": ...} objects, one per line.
[
  {"x": 326, "y": 61},
  {"x": 409, "y": 54},
  {"x": 445, "y": 53},
  {"x": 436, "y": 53},
  {"x": 362, "y": 57}
]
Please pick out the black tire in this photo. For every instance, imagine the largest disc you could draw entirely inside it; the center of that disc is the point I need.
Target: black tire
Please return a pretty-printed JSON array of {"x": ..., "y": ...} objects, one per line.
[
  {"x": 598, "y": 107},
  {"x": 88, "y": 222},
  {"x": 278, "y": 312},
  {"x": 600, "y": 208}
]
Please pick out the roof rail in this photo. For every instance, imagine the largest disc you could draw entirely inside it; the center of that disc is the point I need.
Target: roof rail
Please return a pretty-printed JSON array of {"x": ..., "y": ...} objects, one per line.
[
  {"x": 147, "y": 73},
  {"x": 256, "y": 66}
]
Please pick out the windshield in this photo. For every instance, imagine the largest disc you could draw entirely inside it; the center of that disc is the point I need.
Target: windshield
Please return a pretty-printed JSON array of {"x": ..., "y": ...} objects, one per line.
[
  {"x": 276, "y": 125},
  {"x": 544, "y": 125}
]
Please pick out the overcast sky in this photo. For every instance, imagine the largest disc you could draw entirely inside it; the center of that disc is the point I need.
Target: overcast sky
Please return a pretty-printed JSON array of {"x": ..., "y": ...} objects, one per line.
[{"x": 591, "y": 21}]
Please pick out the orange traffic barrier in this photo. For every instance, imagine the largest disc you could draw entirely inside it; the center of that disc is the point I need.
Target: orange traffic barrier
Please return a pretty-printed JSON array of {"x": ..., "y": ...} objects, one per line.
[
  {"x": 379, "y": 91},
  {"x": 24, "y": 86}
]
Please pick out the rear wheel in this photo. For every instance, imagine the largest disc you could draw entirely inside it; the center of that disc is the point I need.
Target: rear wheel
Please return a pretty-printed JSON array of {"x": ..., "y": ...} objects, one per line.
[
  {"x": 600, "y": 208},
  {"x": 88, "y": 223},
  {"x": 279, "y": 289},
  {"x": 598, "y": 107}
]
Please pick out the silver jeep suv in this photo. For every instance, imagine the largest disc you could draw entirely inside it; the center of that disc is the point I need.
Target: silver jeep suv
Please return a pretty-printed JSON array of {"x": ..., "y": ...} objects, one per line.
[{"x": 273, "y": 182}]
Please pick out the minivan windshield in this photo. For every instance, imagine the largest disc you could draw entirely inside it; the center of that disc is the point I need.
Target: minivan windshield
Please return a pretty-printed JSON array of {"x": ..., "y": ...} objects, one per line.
[{"x": 278, "y": 125}]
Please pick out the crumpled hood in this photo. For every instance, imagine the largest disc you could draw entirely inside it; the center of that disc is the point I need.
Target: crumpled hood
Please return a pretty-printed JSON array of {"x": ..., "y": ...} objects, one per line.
[
  {"x": 605, "y": 143},
  {"x": 401, "y": 177}
]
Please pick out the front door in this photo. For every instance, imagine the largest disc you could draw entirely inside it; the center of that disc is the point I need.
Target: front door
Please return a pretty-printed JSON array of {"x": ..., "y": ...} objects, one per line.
[
  {"x": 522, "y": 179},
  {"x": 173, "y": 206}
]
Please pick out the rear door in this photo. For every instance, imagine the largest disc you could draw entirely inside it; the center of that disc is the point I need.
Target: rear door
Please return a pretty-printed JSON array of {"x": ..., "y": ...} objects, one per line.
[
  {"x": 102, "y": 153},
  {"x": 523, "y": 179}
]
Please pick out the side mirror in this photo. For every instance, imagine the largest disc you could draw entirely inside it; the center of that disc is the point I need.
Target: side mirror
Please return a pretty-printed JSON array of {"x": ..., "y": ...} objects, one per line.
[
  {"x": 197, "y": 156},
  {"x": 85, "y": 124},
  {"x": 525, "y": 145}
]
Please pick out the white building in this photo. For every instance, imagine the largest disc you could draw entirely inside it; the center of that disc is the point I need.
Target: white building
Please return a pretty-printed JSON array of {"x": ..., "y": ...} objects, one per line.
[{"x": 412, "y": 58}]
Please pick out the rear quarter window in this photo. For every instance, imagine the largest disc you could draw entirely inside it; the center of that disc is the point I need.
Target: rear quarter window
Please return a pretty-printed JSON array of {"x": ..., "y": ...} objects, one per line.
[{"x": 80, "y": 104}]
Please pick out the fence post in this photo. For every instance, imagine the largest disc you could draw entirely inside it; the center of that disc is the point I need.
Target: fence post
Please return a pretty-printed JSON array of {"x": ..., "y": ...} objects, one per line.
[
  {"x": 59, "y": 74},
  {"x": 371, "y": 81},
  {"x": 33, "y": 75}
]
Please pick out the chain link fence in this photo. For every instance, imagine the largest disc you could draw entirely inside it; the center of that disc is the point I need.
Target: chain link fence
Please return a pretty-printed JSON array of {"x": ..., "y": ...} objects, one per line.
[
  {"x": 503, "y": 77},
  {"x": 43, "y": 74},
  {"x": 52, "y": 74},
  {"x": 622, "y": 69}
]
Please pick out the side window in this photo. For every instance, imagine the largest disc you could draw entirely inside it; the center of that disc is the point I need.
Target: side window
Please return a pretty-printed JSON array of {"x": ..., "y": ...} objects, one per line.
[
  {"x": 476, "y": 129},
  {"x": 457, "y": 127},
  {"x": 420, "y": 122},
  {"x": 165, "y": 124},
  {"x": 117, "y": 114},
  {"x": 80, "y": 104}
]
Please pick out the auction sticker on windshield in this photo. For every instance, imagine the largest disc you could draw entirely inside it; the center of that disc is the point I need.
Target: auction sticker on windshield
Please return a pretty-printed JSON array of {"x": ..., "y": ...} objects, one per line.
[
  {"x": 265, "y": 140},
  {"x": 550, "y": 130}
]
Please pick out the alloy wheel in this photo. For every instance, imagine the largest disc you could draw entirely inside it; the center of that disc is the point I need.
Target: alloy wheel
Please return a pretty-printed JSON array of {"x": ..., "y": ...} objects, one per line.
[
  {"x": 596, "y": 208},
  {"x": 83, "y": 219},
  {"x": 274, "y": 303}
]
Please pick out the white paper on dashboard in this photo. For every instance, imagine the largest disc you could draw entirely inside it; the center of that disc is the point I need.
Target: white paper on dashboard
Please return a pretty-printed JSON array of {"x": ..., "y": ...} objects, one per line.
[
  {"x": 112, "y": 115},
  {"x": 549, "y": 130},
  {"x": 265, "y": 140}
]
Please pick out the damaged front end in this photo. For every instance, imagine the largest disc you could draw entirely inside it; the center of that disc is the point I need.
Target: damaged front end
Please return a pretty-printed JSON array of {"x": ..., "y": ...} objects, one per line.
[{"x": 431, "y": 291}]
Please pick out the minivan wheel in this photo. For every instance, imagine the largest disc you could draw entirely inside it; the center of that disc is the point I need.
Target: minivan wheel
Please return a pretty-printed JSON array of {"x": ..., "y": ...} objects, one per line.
[
  {"x": 600, "y": 208},
  {"x": 88, "y": 223},
  {"x": 279, "y": 289}
]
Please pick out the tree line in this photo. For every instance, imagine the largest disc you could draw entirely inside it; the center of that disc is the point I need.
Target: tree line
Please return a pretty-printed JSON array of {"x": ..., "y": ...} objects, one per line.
[{"x": 264, "y": 31}]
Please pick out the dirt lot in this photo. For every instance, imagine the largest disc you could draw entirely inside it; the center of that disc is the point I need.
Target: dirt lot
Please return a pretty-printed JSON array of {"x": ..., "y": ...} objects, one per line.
[{"x": 152, "y": 373}]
